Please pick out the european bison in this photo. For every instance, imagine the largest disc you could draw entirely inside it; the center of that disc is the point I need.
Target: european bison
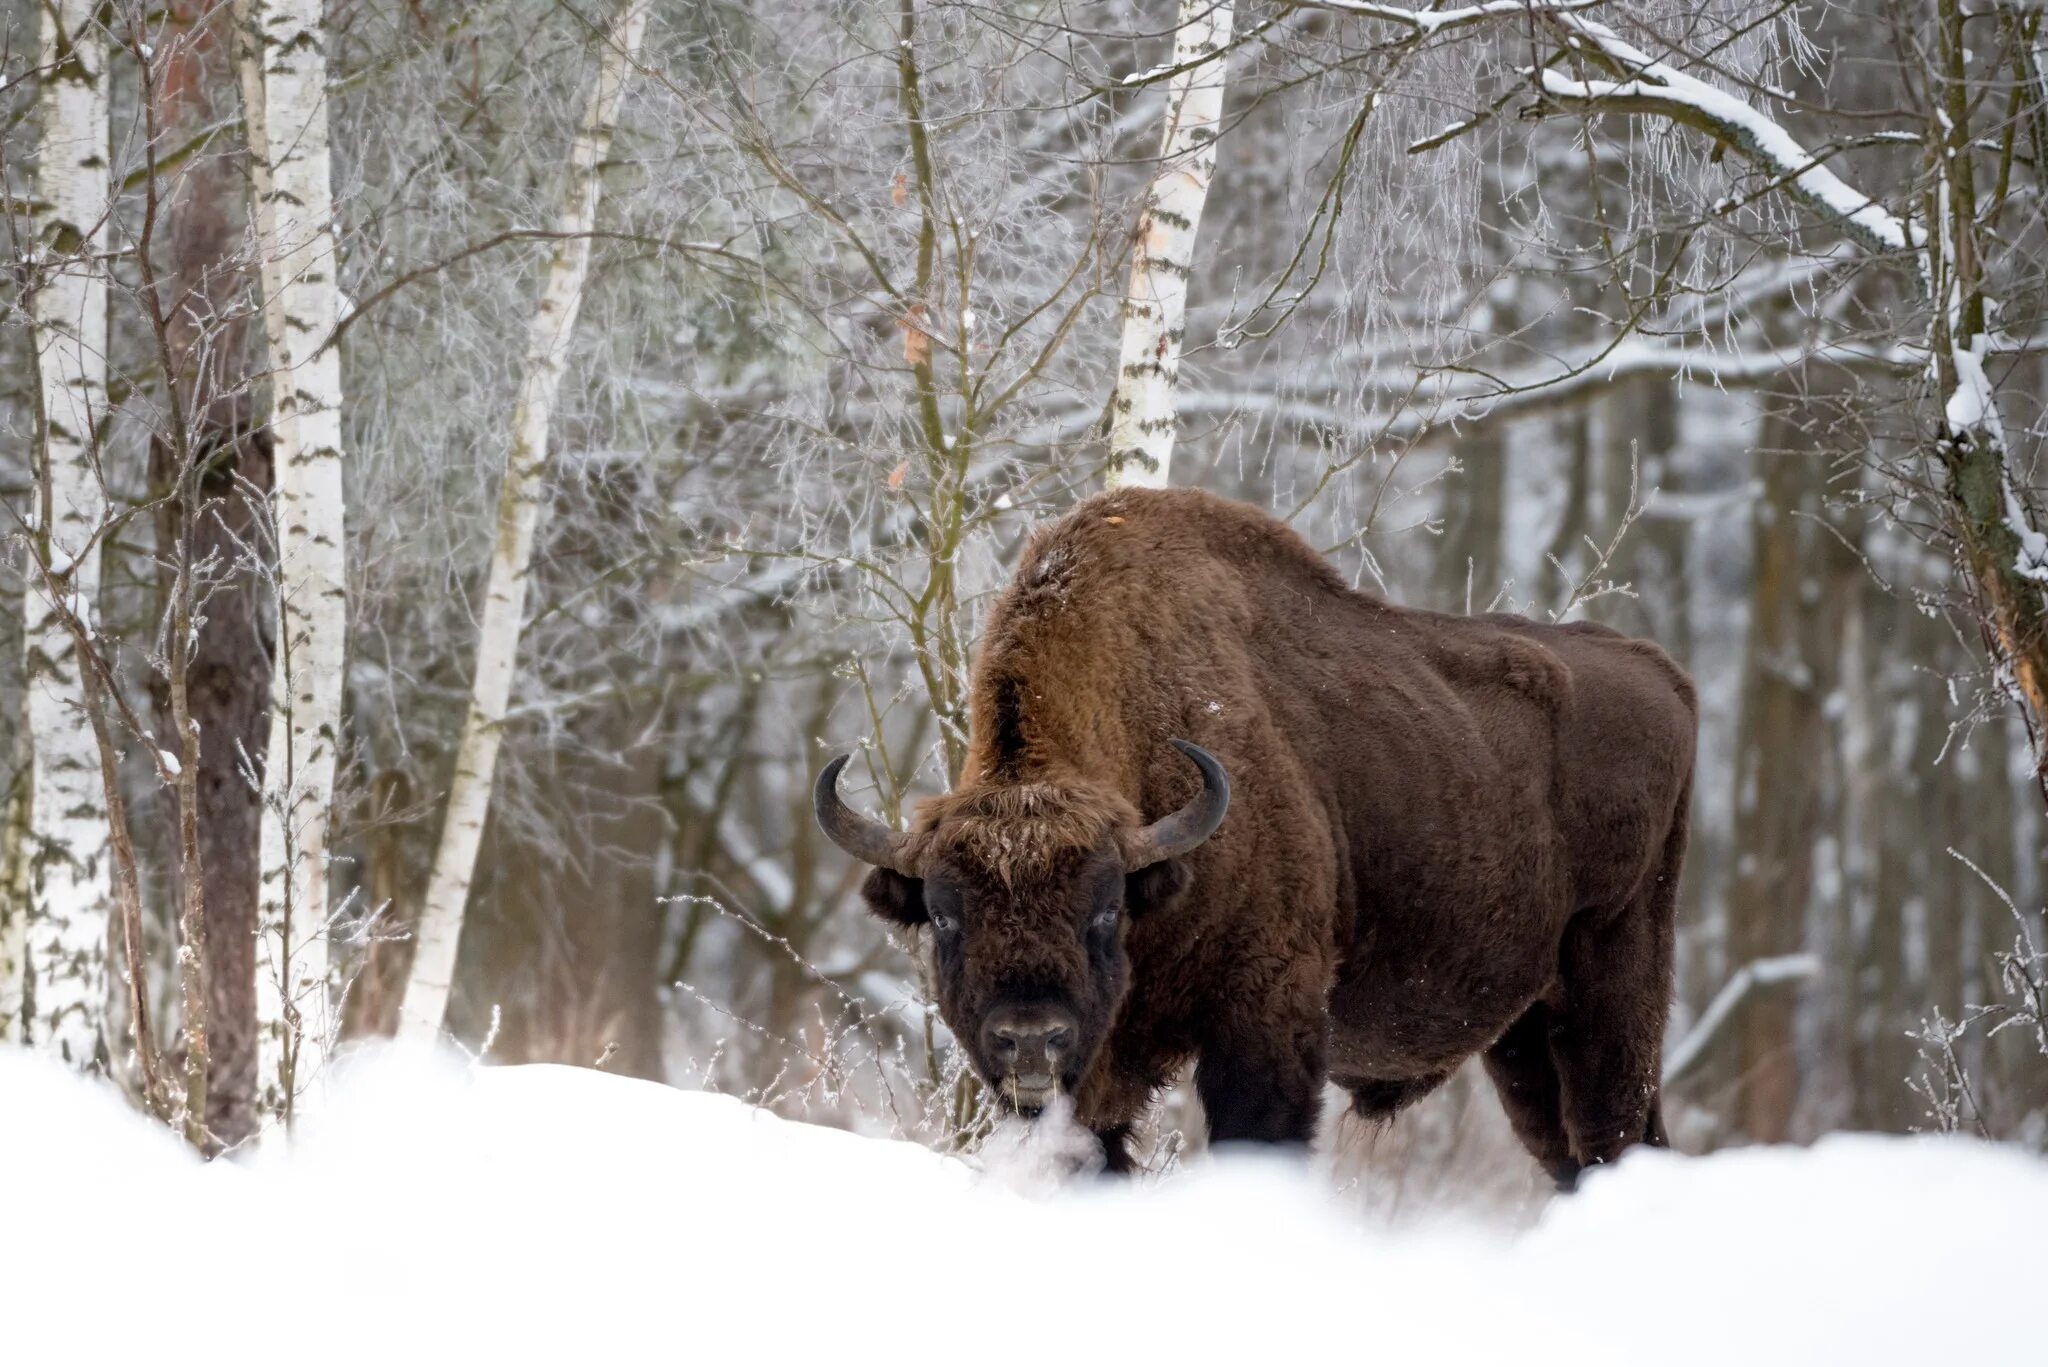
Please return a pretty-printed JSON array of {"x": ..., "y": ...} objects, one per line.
[{"x": 1448, "y": 836}]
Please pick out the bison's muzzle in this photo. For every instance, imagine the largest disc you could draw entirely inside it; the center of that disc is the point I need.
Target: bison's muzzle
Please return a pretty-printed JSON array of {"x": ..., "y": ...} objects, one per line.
[{"x": 1031, "y": 1047}]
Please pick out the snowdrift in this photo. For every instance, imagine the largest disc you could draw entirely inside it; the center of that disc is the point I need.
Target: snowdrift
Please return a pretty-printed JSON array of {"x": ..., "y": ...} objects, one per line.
[{"x": 433, "y": 1212}]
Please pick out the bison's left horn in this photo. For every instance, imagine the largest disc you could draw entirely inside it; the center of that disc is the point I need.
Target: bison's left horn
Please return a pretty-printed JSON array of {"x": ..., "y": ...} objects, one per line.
[
  {"x": 1172, "y": 836},
  {"x": 862, "y": 837}
]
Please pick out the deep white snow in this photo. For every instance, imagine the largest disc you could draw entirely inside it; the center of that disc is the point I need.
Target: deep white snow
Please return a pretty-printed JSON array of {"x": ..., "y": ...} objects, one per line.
[{"x": 541, "y": 1214}]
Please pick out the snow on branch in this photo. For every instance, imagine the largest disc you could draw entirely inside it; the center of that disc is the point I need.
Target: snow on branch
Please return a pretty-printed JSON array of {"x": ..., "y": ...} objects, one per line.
[
  {"x": 1430, "y": 22},
  {"x": 1453, "y": 398},
  {"x": 1735, "y": 365},
  {"x": 1784, "y": 968},
  {"x": 1972, "y": 407},
  {"x": 1648, "y": 86}
]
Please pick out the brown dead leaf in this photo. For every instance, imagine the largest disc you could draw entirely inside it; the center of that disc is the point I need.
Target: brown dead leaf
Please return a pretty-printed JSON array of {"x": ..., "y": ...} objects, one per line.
[
  {"x": 899, "y": 193},
  {"x": 896, "y": 475},
  {"x": 1114, "y": 521},
  {"x": 917, "y": 343}
]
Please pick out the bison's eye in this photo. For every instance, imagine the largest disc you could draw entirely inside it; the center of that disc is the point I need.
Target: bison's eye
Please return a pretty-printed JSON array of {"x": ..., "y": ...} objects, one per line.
[
  {"x": 942, "y": 907},
  {"x": 1105, "y": 919}
]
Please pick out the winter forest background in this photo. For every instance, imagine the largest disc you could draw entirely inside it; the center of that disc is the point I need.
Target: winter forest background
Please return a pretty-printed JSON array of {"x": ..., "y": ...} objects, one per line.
[{"x": 1719, "y": 323}]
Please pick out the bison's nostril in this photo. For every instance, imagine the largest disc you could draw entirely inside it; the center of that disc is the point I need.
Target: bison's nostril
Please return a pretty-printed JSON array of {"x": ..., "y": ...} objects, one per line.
[{"x": 1033, "y": 1041}]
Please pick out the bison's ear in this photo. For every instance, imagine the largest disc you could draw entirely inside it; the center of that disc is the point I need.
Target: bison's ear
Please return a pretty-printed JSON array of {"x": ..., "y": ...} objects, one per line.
[
  {"x": 894, "y": 897},
  {"x": 1156, "y": 886}
]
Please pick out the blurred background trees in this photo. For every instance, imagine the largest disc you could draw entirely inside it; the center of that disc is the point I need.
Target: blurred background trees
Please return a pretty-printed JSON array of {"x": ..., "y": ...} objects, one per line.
[{"x": 1489, "y": 301}]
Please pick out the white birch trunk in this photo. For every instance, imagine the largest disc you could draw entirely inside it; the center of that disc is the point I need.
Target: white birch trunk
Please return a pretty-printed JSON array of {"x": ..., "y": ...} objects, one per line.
[
  {"x": 287, "y": 115},
  {"x": 15, "y": 892},
  {"x": 1155, "y": 312},
  {"x": 519, "y": 500},
  {"x": 68, "y": 925}
]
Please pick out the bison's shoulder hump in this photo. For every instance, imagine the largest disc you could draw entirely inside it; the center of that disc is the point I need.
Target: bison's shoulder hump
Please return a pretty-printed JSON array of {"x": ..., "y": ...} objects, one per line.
[
  {"x": 1155, "y": 532},
  {"x": 1534, "y": 670},
  {"x": 1472, "y": 656}
]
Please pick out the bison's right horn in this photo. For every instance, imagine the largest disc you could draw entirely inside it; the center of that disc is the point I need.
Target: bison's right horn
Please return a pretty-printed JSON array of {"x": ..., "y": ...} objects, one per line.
[
  {"x": 865, "y": 839},
  {"x": 1172, "y": 836}
]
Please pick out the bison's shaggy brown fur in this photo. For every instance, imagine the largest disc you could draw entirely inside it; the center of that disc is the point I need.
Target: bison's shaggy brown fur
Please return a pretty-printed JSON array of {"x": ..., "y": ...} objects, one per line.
[{"x": 1448, "y": 836}]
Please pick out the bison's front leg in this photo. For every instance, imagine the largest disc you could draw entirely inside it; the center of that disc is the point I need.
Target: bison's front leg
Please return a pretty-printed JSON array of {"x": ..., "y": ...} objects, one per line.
[
  {"x": 1116, "y": 1151},
  {"x": 1263, "y": 1086},
  {"x": 1113, "y": 1095}
]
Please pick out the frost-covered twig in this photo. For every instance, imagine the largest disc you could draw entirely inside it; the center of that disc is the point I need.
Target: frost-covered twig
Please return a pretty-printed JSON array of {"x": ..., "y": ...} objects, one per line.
[
  {"x": 2022, "y": 970},
  {"x": 1590, "y": 585},
  {"x": 1943, "y": 1080}
]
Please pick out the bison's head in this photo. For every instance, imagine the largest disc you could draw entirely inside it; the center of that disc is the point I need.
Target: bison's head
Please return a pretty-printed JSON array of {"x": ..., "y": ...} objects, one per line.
[{"x": 1027, "y": 888}]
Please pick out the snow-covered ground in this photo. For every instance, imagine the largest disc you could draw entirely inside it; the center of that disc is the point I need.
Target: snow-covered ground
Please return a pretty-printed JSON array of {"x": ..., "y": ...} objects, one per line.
[{"x": 550, "y": 1214}]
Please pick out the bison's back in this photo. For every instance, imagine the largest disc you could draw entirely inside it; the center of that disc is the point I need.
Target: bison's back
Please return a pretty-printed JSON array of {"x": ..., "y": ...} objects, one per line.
[{"x": 1148, "y": 613}]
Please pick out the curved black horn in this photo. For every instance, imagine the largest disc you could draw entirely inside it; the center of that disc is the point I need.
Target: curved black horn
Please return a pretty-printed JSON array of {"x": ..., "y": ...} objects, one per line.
[
  {"x": 865, "y": 839},
  {"x": 1174, "y": 835}
]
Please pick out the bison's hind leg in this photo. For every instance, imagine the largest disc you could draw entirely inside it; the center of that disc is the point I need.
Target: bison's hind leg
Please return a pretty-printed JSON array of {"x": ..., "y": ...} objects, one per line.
[
  {"x": 1525, "y": 1075},
  {"x": 1609, "y": 1041}
]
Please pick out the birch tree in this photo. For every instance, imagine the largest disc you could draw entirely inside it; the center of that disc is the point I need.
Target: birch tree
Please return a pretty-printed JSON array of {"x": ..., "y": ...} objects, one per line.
[
  {"x": 67, "y": 931},
  {"x": 15, "y": 891},
  {"x": 439, "y": 931},
  {"x": 284, "y": 78},
  {"x": 1145, "y": 419}
]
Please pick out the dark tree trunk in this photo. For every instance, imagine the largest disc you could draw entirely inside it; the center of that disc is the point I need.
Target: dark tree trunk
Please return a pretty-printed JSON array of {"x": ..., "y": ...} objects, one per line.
[
  {"x": 229, "y": 692},
  {"x": 229, "y": 678},
  {"x": 1803, "y": 578}
]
